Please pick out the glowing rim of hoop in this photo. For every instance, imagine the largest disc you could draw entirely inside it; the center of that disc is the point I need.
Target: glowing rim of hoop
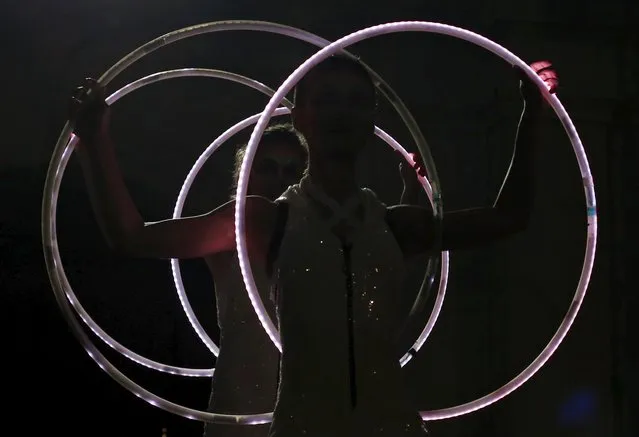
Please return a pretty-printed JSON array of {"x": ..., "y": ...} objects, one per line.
[
  {"x": 61, "y": 155},
  {"x": 82, "y": 313},
  {"x": 302, "y": 35},
  {"x": 421, "y": 26},
  {"x": 225, "y": 136},
  {"x": 193, "y": 372}
]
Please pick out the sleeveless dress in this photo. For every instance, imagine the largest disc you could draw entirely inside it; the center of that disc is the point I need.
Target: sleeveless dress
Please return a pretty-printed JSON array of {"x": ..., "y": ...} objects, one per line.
[
  {"x": 246, "y": 370},
  {"x": 340, "y": 374}
]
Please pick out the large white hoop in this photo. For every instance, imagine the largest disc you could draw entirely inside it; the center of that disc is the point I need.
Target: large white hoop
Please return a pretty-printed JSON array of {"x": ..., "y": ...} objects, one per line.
[
  {"x": 59, "y": 160},
  {"x": 591, "y": 214}
]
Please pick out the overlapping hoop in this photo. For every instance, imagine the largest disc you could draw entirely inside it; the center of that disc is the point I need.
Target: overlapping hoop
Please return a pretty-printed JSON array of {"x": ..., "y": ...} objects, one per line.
[
  {"x": 201, "y": 72},
  {"x": 225, "y": 136},
  {"x": 57, "y": 276},
  {"x": 86, "y": 318},
  {"x": 302, "y": 35},
  {"x": 591, "y": 211}
]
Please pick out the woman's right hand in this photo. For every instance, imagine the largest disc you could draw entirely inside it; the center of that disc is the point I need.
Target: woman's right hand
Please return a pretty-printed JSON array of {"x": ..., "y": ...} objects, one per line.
[{"x": 88, "y": 111}]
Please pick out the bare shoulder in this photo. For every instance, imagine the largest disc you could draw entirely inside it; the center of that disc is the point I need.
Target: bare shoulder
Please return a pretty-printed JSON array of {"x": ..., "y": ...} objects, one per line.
[
  {"x": 256, "y": 208},
  {"x": 412, "y": 227},
  {"x": 260, "y": 211},
  {"x": 403, "y": 215},
  {"x": 260, "y": 218},
  {"x": 214, "y": 232}
]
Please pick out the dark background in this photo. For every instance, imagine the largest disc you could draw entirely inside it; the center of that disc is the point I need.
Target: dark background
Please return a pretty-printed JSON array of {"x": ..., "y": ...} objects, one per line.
[{"x": 504, "y": 301}]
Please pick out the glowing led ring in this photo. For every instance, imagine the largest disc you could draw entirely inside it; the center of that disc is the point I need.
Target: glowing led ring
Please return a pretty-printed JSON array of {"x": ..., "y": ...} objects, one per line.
[
  {"x": 382, "y": 86},
  {"x": 225, "y": 136},
  {"x": 175, "y": 265},
  {"x": 156, "y": 77},
  {"x": 591, "y": 234},
  {"x": 62, "y": 153},
  {"x": 67, "y": 301},
  {"x": 70, "y": 295}
]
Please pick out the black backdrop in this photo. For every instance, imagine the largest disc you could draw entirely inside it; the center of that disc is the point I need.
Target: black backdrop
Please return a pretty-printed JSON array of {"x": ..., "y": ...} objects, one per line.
[{"x": 504, "y": 302}]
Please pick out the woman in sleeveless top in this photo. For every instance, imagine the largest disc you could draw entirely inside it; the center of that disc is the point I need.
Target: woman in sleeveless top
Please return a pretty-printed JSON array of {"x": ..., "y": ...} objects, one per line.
[
  {"x": 246, "y": 369},
  {"x": 339, "y": 294}
]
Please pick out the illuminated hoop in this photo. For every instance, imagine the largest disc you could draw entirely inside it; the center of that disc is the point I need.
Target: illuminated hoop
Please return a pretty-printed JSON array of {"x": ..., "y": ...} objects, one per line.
[
  {"x": 191, "y": 372},
  {"x": 199, "y": 163},
  {"x": 382, "y": 86},
  {"x": 86, "y": 318},
  {"x": 225, "y": 136},
  {"x": 591, "y": 212},
  {"x": 59, "y": 161},
  {"x": 183, "y": 298}
]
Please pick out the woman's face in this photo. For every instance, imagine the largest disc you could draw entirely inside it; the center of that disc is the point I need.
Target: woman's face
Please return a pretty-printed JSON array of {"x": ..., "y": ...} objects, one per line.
[
  {"x": 276, "y": 166},
  {"x": 338, "y": 114}
]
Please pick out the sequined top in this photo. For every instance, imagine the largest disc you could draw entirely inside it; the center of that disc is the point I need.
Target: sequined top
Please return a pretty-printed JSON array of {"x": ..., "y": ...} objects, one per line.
[{"x": 340, "y": 374}]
